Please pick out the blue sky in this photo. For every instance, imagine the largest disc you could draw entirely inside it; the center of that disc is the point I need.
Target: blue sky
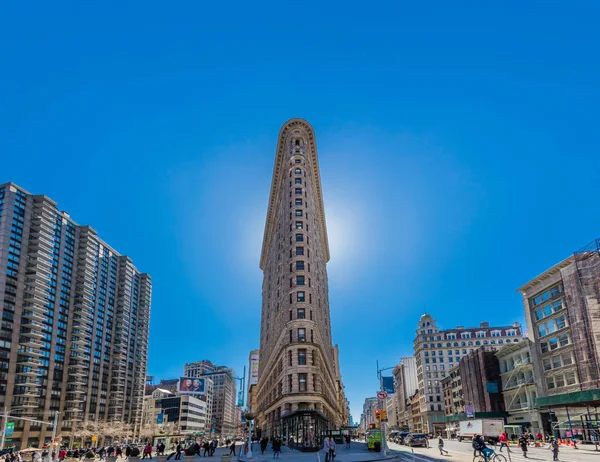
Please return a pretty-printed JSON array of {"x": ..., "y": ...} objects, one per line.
[{"x": 458, "y": 146}]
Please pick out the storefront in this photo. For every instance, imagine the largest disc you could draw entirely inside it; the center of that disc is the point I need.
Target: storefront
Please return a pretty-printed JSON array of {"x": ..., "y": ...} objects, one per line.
[{"x": 303, "y": 430}]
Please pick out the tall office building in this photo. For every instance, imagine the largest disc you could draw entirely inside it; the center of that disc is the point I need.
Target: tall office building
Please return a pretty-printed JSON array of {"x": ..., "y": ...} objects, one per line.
[
  {"x": 221, "y": 401},
  {"x": 299, "y": 386},
  {"x": 75, "y": 318}
]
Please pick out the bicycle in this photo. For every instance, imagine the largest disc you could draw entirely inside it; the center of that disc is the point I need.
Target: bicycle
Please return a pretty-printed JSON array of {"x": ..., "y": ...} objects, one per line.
[{"x": 493, "y": 457}]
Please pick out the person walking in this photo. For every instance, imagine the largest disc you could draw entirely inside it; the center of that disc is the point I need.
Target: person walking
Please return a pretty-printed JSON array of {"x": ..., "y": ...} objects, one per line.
[
  {"x": 232, "y": 449},
  {"x": 263, "y": 445},
  {"x": 147, "y": 451},
  {"x": 504, "y": 441},
  {"x": 118, "y": 451},
  {"x": 127, "y": 452},
  {"x": 276, "y": 448},
  {"x": 441, "y": 445},
  {"x": 206, "y": 448},
  {"x": 348, "y": 441},
  {"x": 554, "y": 448},
  {"x": 178, "y": 450},
  {"x": 523, "y": 440}
]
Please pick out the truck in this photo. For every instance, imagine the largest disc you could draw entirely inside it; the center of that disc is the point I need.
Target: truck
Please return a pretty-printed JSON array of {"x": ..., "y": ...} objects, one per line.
[{"x": 490, "y": 429}]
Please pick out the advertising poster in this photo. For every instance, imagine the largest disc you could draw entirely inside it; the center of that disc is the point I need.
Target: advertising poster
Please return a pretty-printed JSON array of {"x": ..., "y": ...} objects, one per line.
[
  {"x": 253, "y": 369},
  {"x": 192, "y": 386}
]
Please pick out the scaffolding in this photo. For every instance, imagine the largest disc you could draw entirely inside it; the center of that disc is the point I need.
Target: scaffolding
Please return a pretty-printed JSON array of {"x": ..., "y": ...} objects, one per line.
[{"x": 581, "y": 282}]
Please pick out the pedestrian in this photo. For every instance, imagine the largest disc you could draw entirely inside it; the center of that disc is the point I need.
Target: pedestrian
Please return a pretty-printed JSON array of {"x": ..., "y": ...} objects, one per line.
[
  {"x": 554, "y": 448},
  {"x": 206, "y": 448},
  {"x": 348, "y": 441},
  {"x": 441, "y": 445},
  {"x": 147, "y": 451},
  {"x": 523, "y": 440},
  {"x": 232, "y": 449},
  {"x": 118, "y": 451},
  {"x": 504, "y": 442},
  {"x": 127, "y": 451},
  {"x": 276, "y": 448},
  {"x": 263, "y": 445}
]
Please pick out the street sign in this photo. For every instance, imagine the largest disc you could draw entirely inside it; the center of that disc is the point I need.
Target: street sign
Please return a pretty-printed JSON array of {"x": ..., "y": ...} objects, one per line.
[
  {"x": 381, "y": 395},
  {"x": 10, "y": 428}
]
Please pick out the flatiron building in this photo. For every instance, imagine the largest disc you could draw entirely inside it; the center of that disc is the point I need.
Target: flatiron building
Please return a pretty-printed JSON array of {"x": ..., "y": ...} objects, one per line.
[{"x": 300, "y": 394}]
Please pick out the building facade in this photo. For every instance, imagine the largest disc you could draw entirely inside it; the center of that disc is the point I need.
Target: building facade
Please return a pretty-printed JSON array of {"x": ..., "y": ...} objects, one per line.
[
  {"x": 437, "y": 351},
  {"x": 298, "y": 392},
  {"x": 221, "y": 394},
  {"x": 405, "y": 385},
  {"x": 185, "y": 414},
  {"x": 75, "y": 319},
  {"x": 521, "y": 383},
  {"x": 563, "y": 319}
]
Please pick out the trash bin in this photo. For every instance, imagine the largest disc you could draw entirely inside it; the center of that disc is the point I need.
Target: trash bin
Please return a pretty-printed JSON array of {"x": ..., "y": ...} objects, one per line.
[
  {"x": 225, "y": 458},
  {"x": 377, "y": 445}
]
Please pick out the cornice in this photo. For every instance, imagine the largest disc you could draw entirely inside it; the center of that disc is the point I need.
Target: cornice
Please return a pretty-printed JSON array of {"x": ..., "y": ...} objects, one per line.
[{"x": 278, "y": 176}]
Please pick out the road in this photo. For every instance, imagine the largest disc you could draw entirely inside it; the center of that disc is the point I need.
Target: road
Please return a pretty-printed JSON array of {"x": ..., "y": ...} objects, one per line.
[{"x": 462, "y": 452}]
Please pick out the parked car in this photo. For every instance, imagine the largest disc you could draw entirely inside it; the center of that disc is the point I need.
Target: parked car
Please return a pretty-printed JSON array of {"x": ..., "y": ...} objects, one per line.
[
  {"x": 400, "y": 437},
  {"x": 416, "y": 439}
]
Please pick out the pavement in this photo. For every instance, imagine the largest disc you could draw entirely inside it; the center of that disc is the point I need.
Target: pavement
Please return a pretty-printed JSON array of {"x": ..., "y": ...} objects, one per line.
[
  {"x": 463, "y": 452},
  {"x": 457, "y": 452}
]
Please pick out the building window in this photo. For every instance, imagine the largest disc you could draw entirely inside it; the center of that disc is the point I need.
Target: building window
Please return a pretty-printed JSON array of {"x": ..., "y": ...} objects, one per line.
[
  {"x": 302, "y": 335},
  {"x": 299, "y": 238},
  {"x": 300, "y": 297},
  {"x": 299, "y": 280},
  {"x": 301, "y": 357},
  {"x": 298, "y": 171},
  {"x": 299, "y": 191},
  {"x": 302, "y": 381},
  {"x": 301, "y": 313},
  {"x": 298, "y": 202},
  {"x": 290, "y": 357},
  {"x": 298, "y": 213},
  {"x": 298, "y": 181},
  {"x": 299, "y": 266},
  {"x": 299, "y": 225},
  {"x": 300, "y": 251}
]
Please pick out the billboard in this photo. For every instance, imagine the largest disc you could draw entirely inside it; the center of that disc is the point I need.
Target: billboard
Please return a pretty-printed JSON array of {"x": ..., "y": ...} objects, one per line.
[
  {"x": 253, "y": 369},
  {"x": 160, "y": 418},
  {"x": 192, "y": 386},
  {"x": 388, "y": 384}
]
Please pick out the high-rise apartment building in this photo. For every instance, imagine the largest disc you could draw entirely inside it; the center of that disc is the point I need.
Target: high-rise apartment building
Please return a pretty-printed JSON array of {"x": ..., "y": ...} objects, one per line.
[
  {"x": 299, "y": 382},
  {"x": 222, "y": 388},
  {"x": 75, "y": 318},
  {"x": 437, "y": 351},
  {"x": 562, "y": 309}
]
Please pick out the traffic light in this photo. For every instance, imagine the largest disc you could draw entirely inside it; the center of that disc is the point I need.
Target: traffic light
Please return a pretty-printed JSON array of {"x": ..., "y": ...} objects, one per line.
[
  {"x": 383, "y": 414},
  {"x": 372, "y": 426},
  {"x": 377, "y": 414}
]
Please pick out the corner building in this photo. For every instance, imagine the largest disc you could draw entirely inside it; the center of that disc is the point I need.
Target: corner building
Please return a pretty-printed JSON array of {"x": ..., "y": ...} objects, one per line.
[
  {"x": 75, "y": 319},
  {"x": 299, "y": 386}
]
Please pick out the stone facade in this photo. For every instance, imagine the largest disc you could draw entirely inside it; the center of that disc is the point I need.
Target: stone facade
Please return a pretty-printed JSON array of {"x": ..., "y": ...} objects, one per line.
[
  {"x": 437, "y": 351},
  {"x": 298, "y": 367}
]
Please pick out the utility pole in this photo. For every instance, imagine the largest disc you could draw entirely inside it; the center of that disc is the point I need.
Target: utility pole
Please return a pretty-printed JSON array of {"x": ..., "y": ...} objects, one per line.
[
  {"x": 4, "y": 422},
  {"x": 382, "y": 406},
  {"x": 53, "y": 452}
]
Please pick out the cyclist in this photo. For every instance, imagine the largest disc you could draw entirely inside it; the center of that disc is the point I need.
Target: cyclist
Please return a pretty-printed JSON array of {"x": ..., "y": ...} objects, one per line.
[{"x": 479, "y": 445}]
